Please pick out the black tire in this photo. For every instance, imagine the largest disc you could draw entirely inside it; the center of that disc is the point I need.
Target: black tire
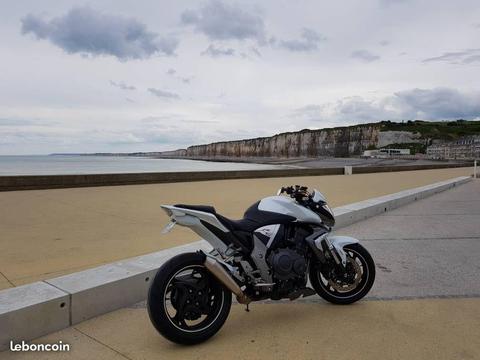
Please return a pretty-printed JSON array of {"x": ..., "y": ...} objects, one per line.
[
  {"x": 349, "y": 297},
  {"x": 157, "y": 302}
]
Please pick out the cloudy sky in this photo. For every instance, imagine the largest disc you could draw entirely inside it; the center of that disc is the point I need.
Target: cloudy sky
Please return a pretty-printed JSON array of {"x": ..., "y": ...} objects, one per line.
[{"x": 114, "y": 75}]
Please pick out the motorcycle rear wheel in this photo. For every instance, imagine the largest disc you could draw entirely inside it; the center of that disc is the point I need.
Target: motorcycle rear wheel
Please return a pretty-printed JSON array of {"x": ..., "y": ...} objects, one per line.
[
  {"x": 334, "y": 290},
  {"x": 187, "y": 304}
]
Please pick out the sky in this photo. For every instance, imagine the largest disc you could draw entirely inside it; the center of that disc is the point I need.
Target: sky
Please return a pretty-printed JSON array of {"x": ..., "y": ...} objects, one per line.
[{"x": 124, "y": 76}]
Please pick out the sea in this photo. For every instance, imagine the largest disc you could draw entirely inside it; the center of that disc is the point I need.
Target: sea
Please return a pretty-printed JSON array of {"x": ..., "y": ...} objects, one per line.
[{"x": 78, "y": 164}]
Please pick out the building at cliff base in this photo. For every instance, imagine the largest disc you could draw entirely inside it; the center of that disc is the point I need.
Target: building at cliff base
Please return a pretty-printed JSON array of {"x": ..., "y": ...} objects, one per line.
[
  {"x": 464, "y": 148},
  {"x": 386, "y": 152}
]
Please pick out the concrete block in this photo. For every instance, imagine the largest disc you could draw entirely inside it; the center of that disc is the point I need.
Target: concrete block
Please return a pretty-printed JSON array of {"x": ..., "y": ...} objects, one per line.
[
  {"x": 351, "y": 213},
  {"x": 30, "y": 311},
  {"x": 113, "y": 286},
  {"x": 103, "y": 289}
]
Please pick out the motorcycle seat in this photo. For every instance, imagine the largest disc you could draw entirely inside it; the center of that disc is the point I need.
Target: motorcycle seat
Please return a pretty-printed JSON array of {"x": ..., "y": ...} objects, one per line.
[
  {"x": 250, "y": 224},
  {"x": 204, "y": 208},
  {"x": 252, "y": 220},
  {"x": 246, "y": 225}
]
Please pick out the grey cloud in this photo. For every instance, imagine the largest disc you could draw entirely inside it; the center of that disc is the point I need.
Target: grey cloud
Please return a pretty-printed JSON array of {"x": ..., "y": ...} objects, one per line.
[
  {"x": 167, "y": 120},
  {"x": 363, "y": 110},
  {"x": 86, "y": 31},
  {"x": 440, "y": 103},
  {"x": 214, "y": 51},
  {"x": 467, "y": 56},
  {"x": 183, "y": 79},
  {"x": 425, "y": 104},
  {"x": 26, "y": 137},
  {"x": 308, "y": 41},
  {"x": 122, "y": 85},
  {"x": 364, "y": 55},
  {"x": 255, "y": 51},
  {"x": 200, "y": 121},
  {"x": 392, "y": 2},
  {"x": 221, "y": 21},
  {"x": 163, "y": 94},
  {"x": 384, "y": 43},
  {"x": 25, "y": 122},
  {"x": 310, "y": 113}
]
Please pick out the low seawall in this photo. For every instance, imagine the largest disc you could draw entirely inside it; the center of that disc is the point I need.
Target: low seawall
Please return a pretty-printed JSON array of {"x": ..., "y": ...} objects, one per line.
[{"x": 34, "y": 182}]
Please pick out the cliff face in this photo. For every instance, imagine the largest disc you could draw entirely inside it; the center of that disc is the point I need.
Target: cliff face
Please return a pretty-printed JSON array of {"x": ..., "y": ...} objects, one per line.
[{"x": 338, "y": 142}]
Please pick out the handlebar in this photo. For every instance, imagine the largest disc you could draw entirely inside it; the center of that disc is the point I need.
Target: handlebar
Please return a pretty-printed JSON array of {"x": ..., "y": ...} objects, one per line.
[{"x": 297, "y": 192}]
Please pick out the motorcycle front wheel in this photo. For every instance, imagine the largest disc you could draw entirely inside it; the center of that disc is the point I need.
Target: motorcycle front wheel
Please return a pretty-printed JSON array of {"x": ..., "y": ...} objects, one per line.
[
  {"x": 350, "y": 285},
  {"x": 186, "y": 304}
]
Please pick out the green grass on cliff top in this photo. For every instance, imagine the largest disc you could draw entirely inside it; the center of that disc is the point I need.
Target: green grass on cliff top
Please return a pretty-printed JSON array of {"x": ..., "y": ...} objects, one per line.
[{"x": 447, "y": 130}]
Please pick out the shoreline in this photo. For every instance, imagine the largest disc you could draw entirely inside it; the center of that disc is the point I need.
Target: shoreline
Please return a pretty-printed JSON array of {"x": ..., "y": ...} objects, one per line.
[{"x": 280, "y": 161}]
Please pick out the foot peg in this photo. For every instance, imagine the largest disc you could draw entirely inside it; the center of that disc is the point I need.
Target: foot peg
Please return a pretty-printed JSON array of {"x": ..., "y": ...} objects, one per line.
[{"x": 301, "y": 292}]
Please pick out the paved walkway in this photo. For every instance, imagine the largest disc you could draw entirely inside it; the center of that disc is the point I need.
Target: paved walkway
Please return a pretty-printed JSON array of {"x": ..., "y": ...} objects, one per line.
[{"x": 425, "y": 303}]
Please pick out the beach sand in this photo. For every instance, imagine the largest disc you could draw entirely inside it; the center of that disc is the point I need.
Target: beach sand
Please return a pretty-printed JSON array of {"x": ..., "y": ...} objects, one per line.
[{"x": 47, "y": 233}]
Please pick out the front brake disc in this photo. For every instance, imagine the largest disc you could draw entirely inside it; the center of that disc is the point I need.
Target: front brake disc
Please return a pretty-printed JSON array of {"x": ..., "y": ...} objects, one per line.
[{"x": 342, "y": 286}]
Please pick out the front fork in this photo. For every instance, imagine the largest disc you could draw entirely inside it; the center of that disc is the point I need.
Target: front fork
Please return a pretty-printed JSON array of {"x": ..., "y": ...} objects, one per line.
[
  {"x": 325, "y": 246},
  {"x": 338, "y": 255}
]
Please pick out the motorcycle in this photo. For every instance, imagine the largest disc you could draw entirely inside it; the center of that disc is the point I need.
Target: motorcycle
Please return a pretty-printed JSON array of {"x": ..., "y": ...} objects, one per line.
[{"x": 282, "y": 242}]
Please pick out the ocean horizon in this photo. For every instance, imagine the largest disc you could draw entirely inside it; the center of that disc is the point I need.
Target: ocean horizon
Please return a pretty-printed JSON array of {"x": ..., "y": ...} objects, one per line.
[{"x": 79, "y": 164}]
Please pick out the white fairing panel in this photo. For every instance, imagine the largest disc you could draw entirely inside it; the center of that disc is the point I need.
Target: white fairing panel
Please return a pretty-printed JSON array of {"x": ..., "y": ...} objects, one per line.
[
  {"x": 339, "y": 242},
  {"x": 288, "y": 206},
  {"x": 269, "y": 231},
  {"x": 177, "y": 213},
  {"x": 318, "y": 196},
  {"x": 191, "y": 219}
]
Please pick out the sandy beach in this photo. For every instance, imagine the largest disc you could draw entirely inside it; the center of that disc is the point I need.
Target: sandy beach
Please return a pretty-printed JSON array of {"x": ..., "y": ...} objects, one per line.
[{"x": 47, "y": 233}]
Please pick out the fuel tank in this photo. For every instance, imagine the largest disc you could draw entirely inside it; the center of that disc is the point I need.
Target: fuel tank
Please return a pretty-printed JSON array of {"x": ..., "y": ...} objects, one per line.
[{"x": 288, "y": 206}]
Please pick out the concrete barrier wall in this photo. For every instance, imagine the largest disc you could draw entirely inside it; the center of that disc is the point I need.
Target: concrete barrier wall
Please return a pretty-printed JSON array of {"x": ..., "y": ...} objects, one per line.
[
  {"x": 351, "y": 213},
  {"x": 375, "y": 169},
  {"x": 33, "y": 310},
  {"x": 29, "y": 182}
]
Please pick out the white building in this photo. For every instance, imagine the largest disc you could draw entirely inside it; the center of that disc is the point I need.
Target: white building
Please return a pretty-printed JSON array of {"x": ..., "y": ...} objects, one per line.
[
  {"x": 464, "y": 148},
  {"x": 386, "y": 152}
]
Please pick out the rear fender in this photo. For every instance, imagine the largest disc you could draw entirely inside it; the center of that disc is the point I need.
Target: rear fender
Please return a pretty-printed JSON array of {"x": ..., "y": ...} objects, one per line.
[
  {"x": 193, "y": 219},
  {"x": 186, "y": 217}
]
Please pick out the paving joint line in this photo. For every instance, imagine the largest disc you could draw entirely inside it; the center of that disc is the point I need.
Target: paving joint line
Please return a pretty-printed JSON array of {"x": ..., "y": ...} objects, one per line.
[
  {"x": 102, "y": 343},
  {"x": 318, "y": 300},
  {"x": 69, "y": 300},
  {"x": 74, "y": 269},
  {"x": 424, "y": 239},
  {"x": 11, "y": 283},
  {"x": 429, "y": 215}
]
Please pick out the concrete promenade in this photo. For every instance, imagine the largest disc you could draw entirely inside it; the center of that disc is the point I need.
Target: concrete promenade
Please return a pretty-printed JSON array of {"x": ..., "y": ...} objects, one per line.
[
  {"x": 425, "y": 303},
  {"x": 48, "y": 233}
]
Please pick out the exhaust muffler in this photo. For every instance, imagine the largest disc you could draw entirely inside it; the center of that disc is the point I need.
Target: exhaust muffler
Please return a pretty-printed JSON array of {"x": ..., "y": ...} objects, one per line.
[{"x": 226, "y": 279}]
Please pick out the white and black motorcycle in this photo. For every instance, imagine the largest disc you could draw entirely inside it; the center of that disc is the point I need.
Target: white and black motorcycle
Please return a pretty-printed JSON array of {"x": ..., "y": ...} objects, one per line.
[{"x": 281, "y": 242}]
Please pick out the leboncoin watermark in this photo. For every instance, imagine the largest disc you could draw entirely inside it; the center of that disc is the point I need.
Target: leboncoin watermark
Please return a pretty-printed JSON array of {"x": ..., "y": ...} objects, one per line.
[{"x": 24, "y": 347}]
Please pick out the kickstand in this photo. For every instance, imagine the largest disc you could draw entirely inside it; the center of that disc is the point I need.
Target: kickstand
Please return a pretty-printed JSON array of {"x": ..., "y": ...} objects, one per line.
[{"x": 246, "y": 308}]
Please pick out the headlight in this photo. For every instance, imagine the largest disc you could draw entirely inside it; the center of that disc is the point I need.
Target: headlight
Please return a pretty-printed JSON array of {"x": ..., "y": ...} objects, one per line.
[{"x": 327, "y": 208}]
